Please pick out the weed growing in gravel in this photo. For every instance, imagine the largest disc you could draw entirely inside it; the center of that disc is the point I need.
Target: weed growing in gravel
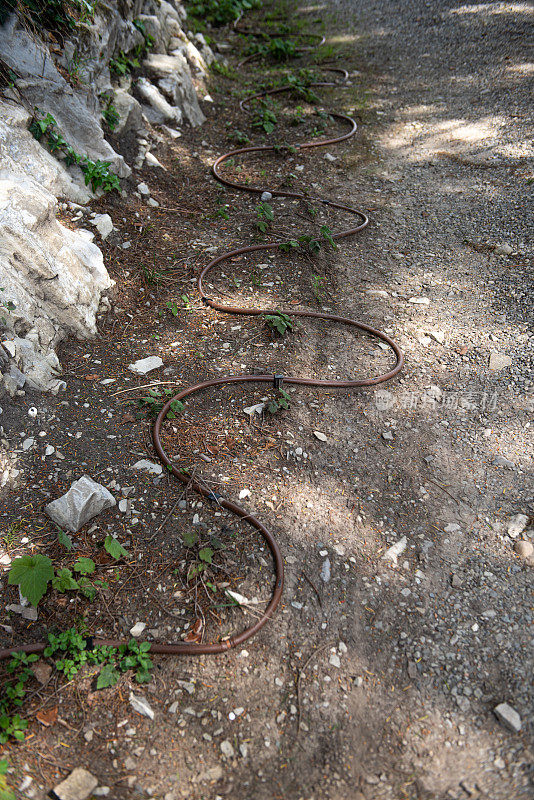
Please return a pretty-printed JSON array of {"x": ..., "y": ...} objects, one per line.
[
  {"x": 264, "y": 118},
  {"x": 151, "y": 404},
  {"x": 280, "y": 403},
  {"x": 238, "y": 136},
  {"x": 276, "y": 48},
  {"x": 264, "y": 216},
  {"x": 280, "y": 322},
  {"x": 34, "y": 573},
  {"x": 318, "y": 286},
  {"x": 223, "y": 69}
]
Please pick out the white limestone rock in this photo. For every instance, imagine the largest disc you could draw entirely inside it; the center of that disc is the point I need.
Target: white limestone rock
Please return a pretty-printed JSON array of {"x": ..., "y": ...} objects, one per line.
[
  {"x": 85, "y": 499},
  {"x": 55, "y": 277}
]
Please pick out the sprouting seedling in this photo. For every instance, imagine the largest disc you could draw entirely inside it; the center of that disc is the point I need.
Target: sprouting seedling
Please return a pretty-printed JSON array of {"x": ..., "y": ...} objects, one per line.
[
  {"x": 152, "y": 403},
  {"x": 173, "y": 308},
  {"x": 264, "y": 216},
  {"x": 327, "y": 235},
  {"x": 279, "y": 322},
  {"x": 277, "y": 404},
  {"x": 318, "y": 286}
]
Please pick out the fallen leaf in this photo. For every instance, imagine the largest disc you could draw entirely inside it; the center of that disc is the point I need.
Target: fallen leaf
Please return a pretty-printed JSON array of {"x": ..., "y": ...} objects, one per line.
[
  {"x": 128, "y": 417},
  {"x": 47, "y": 716},
  {"x": 192, "y": 637},
  {"x": 320, "y": 436},
  {"x": 197, "y": 626}
]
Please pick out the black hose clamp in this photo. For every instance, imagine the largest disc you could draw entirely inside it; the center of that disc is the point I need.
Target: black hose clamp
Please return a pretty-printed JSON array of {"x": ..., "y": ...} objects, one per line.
[
  {"x": 215, "y": 496},
  {"x": 278, "y": 381}
]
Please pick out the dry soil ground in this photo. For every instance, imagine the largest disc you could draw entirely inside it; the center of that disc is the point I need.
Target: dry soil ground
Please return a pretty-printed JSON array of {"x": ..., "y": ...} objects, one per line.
[{"x": 377, "y": 677}]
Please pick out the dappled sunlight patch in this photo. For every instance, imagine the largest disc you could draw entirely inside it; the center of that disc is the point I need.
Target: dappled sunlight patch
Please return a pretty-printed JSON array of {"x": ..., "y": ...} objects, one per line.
[{"x": 493, "y": 9}]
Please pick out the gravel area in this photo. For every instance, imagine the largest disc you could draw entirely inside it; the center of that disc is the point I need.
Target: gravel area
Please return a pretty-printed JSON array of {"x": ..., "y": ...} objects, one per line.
[{"x": 399, "y": 664}]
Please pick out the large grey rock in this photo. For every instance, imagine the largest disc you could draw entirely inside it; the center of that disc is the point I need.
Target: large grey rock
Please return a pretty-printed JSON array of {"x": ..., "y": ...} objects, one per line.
[
  {"x": 42, "y": 86},
  {"x": 175, "y": 81},
  {"x": 79, "y": 785},
  {"x": 84, "y": 500},
  {"x": 158, "y": 110},
  {"x": 21, "y": 153},
  {"x": 110, "y": 33},
  {"x": 129, "y": 111},
  {"x": 55, "y": 277},
  {"x": 508, "y": 716},
  {"x": 78, "y": 125}
]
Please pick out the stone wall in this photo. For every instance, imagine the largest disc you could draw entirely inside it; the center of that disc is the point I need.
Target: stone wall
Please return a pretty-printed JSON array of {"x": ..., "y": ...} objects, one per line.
[{"x": 55, "y": 277}]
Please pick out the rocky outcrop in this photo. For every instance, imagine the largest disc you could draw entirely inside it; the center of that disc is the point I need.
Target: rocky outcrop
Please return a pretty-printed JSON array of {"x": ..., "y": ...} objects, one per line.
[
  {"x": 21, "y": 154},
  {"x": 41, "y": 86},
  {"x": 52, "y": 278}
]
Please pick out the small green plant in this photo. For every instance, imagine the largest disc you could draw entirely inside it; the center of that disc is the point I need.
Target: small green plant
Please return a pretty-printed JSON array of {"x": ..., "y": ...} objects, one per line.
[
  {"x": 222, "y": 209},
  {"x": 264, "y": 118},
  {"x": 141, "y": 27},
  {"x": 97, "y": 173},
  {"x": 223, "y": 69},
  {"x": 5, "y": 792},
  {"x": 238, "y": 136},
  {"x": 12, "y": 533},
  {"x": 276, "y": 48},
  {"x": 283, "y": 401},
  {"x": 318, "y": 286},
  {"x": 264, "y": 216},
  {"x": 122, "y": 64},
  {"x": 110, "y": 115},
  {"x": 327, "y": 236},
  {"x": 280, "y": 322},
  {"x": 173, "y": 308},
  {"x": 59, "y": 16},
  {"x": 7, "y": 304},
  {"x": 71, "y": 647},
  {"x": 152, "y": 403}
]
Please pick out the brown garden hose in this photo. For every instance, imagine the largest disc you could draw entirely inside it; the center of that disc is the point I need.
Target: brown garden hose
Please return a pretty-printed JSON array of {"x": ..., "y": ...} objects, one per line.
[{"x": 192, "y": 648}]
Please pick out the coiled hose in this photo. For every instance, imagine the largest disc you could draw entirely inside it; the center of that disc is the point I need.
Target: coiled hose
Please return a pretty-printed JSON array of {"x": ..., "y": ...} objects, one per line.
[{"x": 198, "y": 648}]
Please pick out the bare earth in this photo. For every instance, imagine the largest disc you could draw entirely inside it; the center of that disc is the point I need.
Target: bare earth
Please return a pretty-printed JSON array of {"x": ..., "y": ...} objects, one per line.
[{"x": 378, "y": 676}]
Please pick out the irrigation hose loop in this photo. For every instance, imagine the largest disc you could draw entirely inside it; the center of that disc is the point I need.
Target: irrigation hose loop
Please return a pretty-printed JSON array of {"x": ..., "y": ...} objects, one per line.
[{"x": 196, "y": 648}]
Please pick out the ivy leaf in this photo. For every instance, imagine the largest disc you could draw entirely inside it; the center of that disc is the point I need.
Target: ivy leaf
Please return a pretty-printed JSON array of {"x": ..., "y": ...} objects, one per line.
[
  {"x": 32, "y": 574},
  {"x": 108, "y": 677},
  {"x": 206, "y": 554},
  {"x": 64, "y": 581},
  {"x": 115, "y": 548},
  {"x": 85, "y": 566},
  {"x": 190, "y": 538},
  {"x": 64, "y": 539}
]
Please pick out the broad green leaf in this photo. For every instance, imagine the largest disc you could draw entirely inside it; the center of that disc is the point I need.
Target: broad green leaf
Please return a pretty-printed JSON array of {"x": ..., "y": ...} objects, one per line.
[
  {"x": 190, "y": 538},
  {"x": 115, "y": 548},
  {"x": 32, "y": 574},
  {"x": 64, "y": 539},
  {"x": 85, "y": 566},
  {"x": 64, "y": 582},
  {"x": 206, "y": 554},
  {"x": 108, "y": 677}
]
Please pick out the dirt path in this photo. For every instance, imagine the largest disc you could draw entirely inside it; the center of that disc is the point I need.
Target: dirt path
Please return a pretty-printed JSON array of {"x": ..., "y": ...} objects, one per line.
[{"x": 379, "y": 675}]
